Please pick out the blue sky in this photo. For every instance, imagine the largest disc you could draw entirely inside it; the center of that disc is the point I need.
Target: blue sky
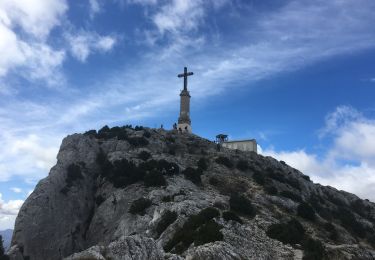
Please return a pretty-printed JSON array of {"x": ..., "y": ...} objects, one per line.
[{"x": 298, "y": 76}]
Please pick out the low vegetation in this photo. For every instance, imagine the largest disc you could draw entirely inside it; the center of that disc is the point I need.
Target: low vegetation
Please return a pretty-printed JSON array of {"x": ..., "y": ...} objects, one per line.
[
  {"x": 139, "y": 206},
  {"x": 154, "y": 179},
  {"x": 312, "y": 249},
  {"x": 202, "y": 164},
  {"x": 166, "y": 219},
  {"x": 193, "y": 175},
  {"x": 144, "y": 155},
  {"x": 242, "y": 165},
  {"x": 291, "y": 195},
  {"x": 230, "y": 215},
  {"x": 198, "y": 229},
  {"x": 224, "y": 161},
  {"x": 242, "y": 205},
  {"x": 73, "y": 174},
  {"x": 259, "y": 178},
  {"x": 291, "y": 232},
  {"x": 305, "y": 211}
]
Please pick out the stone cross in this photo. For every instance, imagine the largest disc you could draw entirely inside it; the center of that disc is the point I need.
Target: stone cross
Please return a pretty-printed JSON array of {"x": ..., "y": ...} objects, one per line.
[{"x": 185, "y": 75}]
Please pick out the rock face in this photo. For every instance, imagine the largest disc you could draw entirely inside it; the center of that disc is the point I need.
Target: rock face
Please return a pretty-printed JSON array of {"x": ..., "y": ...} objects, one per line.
[{"x": 125, "y": 193}]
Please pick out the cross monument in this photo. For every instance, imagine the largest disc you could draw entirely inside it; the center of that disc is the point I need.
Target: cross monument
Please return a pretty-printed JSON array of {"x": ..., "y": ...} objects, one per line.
[{"x": 184, "y": 122}]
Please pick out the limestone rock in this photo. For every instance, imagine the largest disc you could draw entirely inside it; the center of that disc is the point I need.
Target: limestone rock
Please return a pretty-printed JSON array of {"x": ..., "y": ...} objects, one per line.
[{"x": 79, "y": 212}]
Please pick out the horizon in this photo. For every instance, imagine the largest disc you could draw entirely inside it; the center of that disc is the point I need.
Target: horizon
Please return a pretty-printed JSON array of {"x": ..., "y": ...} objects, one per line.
[{"x": 296, "y": 76}]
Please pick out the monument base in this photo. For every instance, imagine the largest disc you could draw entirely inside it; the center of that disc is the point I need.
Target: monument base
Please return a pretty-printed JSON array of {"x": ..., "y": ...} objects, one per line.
[{"x": 184, "y": 128}]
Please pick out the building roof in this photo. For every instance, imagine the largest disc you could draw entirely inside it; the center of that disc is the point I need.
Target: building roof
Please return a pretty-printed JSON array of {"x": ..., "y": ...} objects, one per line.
[{"x": 240, "y": 141}]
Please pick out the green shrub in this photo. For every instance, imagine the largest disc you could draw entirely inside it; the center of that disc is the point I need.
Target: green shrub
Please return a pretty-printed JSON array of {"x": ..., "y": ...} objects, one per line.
[
  {"x": 305, "y": 211},
  {"x": 271, "y": 190},
  {"x": 242, "y": 205},
  {"x": 213, "y": 181},
  {"x": 138, "y": 141},
  {"x": 259, "y": 178},
  {"x": 202, "y": 164},
  {"x": 104, "y": 163},
  {"x": 123, "y": 173},
  {"x": 91, "y": 133},
  {"x": 275, "y": 175},
  {"x": 230, "y": 215},
  {"x": 349, "y": 221},
  {"x": 99, "y": 200},
  {"x": 224, "y": 161},
  {"x": 195, "y": 230},
  {"x": 167, "y": 218},
  {"x": 146, "y": 134},
  {"x": 242, "y": 165},
  {"x": 312, "y": 249},
  {"x": 307, "y": 178},
  {"x": 138, "y": 128},
  {"x": 73, "y": 174},
  {"x": 193, "y": 175},
  {"x": 139, "y": 206},
  {"x": 154, "y": 179},
  {"x": 291, "y": 232},
  {"x": 291, "y": 195},
  {"x": 209, "y": 232},
  {"x": 329, "y": 227},
  {"x": 167, "y": 198},
  {"x": 293, "y": 182},
  {"x": 168, "y": 168},
  {"x": 144, "y": 155}
]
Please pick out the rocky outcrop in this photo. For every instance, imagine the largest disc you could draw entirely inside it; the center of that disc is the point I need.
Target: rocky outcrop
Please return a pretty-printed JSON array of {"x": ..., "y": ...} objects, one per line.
[{"x": 86, "y": 208}]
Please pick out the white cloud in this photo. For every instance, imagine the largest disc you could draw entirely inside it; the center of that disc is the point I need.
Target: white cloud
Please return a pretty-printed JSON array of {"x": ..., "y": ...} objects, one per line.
[
  {"x": 95, "y": 8},
  {"x": 16, "y": 190},
  {"x": 27, "y": 51},
  {"x": 349, "y": 162},
  {"x": 8, "y": 212},
  {"x": 84, "y": 43}
]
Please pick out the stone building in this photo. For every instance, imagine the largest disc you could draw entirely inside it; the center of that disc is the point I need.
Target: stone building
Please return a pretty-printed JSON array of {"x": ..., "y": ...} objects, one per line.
[{"x": 249, "y": 145}]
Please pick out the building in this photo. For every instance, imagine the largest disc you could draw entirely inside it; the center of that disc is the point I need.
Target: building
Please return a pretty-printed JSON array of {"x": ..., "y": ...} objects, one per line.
[{"x": 243, "y": 145}]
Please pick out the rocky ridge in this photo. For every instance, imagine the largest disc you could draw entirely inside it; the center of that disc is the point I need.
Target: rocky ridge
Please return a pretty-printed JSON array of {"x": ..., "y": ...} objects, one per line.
[{"x": 140, "y": 193}]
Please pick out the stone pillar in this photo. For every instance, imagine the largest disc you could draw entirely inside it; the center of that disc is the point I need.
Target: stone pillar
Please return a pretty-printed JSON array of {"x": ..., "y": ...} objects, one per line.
[{"x": 184, "y": 122}]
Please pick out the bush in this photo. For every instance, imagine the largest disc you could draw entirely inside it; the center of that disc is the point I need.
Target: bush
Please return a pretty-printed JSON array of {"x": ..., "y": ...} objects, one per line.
[
  {"x": 329, "y": 227},
  {"x": 305, "y": 211},
  {"x": 242, "y": 205},
  {"x": 154, "y": 179},
  {"x": 291, "y": 232},
  {"x": 202, "y": 164},
  {"x": 291, "y": 195},
  {"x": 2, "y": 250},
  {"x": 104, "y": 163},
  {"x": 147, "y": 134},
  {"x": 242, "y": 165},
  {"x": 271, "y": 190},
  {"x": 139, "y": 206},
  {"x": 213, "y": 181},
  {"x": 138, "y": 141},
  {"x": 307, "y": 178},
  {"x": 73, "y": 174},
  {"x": 230, "y": 215},
  {"x": 275, "y": 175},
  {"x": 195, "y": 230},
  {"x": 99, "y": 200},
  {"x": 193, "y": 175},
  {"x": 313, "y": 249},
  {"x": 168, "y": 168},
  {"x": 167, "y": 198},
  {"x": 91, "y": 133},
  {"x": 123, "y": 173},
  {"x": 259, "y": 178},
  {"x": 167, "y": 218},
  {"x": 349, "y": 221},
  {"x": 209, "y": 232},
  {"x": 224, "y": 161},
  {"x": 144, "y": 155}
]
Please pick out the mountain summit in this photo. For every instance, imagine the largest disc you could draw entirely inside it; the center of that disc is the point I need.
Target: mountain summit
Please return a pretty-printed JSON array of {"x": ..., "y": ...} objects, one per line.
[{"x": 140, "y": 193}]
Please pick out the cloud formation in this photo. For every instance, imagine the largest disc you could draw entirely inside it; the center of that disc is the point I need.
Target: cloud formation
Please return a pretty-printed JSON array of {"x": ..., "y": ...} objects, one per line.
[
  {"x": 348, "y": 163},
  {"x": 8, "y": 212}
]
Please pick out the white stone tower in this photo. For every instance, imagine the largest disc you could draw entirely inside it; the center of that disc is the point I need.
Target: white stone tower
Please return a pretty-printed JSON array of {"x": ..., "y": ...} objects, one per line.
[{"x": 184, "y": 122}]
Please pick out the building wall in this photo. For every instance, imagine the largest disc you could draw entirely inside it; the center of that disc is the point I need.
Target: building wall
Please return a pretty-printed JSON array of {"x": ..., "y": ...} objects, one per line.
[{"x": 246, "y": 145}]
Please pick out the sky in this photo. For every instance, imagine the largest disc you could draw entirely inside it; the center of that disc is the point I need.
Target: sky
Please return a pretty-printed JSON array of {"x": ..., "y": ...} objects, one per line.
[{"x": 297, "y": 75}]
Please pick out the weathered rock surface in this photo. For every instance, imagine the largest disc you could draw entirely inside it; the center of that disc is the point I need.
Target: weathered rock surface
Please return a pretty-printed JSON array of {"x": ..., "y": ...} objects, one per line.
[{"x": 86, "y": 217}]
